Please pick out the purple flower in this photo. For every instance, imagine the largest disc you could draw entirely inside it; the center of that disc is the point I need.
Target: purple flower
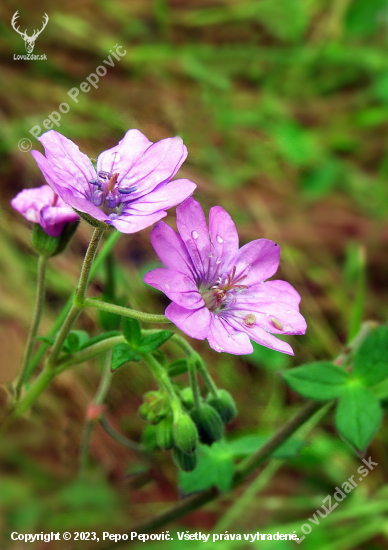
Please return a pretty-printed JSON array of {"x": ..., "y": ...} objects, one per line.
[
  {"x": 41, "y": 205},
  {"x": 219, "y": 291},
  {"x": 130, "y": 187}
]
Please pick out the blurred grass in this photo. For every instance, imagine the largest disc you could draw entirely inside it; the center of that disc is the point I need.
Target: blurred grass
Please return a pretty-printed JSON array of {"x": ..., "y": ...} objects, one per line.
[{"x": 284, "y": 109}]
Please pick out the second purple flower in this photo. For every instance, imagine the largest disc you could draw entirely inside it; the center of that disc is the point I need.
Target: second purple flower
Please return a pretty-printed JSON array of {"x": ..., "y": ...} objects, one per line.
[
  {"x": 219, "y": 291},
  {"x": 130, "y": 188}
]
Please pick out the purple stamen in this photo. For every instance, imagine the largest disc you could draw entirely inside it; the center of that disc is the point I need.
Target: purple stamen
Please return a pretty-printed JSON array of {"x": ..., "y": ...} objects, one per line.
[
  {"x": 111, "y": 200},
  {"x": 97, "y": 198},
  {"x": 128, "y": 190}
]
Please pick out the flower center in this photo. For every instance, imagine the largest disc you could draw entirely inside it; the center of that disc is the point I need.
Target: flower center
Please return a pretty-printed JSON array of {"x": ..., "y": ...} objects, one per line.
[
  {"x": 107, "y": 193},
  {"x": 216, "y": 297}
]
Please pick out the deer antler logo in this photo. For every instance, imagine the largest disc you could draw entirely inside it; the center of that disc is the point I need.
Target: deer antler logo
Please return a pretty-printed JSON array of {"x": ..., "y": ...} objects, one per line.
[{"x": 29, "y": 41}]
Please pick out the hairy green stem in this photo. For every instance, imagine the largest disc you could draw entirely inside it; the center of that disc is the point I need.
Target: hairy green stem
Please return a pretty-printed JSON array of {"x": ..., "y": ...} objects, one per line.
[
  {"x": 209, "y": 382},
  {"x": 37, "y": 314},
  {"x": 89, "y": 353},
  {"x": 125, "y": 311},
  {"x": 120, "y": 438},
  {"x": 49, "y": 370},
  {"x": 194, "y": 382},
  {"x": 164, "y": 381},
  {"x": 79, "y": 297},
  {"x": 200, "y": 365},
  {"x": 102, "y": 255}
]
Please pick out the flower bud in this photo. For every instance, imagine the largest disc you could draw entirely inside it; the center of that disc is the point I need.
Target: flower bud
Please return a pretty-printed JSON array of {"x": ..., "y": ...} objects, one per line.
[
  {"x": 224, "y": 405},
  {"x": 164, "y": 435},
  {"x": 187, "y": 397},
  {"x": 44, "y": 244},
  {"x": 184, "y": 461},
  {"x": 185, "y": 433},
  {"x": 154, "y": 408},
  {"x": 209, "y": 424}
]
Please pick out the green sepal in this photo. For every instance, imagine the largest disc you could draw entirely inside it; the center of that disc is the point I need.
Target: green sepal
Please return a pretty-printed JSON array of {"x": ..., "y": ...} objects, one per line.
[
  {"x": 93, "y": 222},
  {"x": 185, "y": 461},
  {"x": 48, "y": 246},
  {"x": 164, "y": 435},
  {"x": 224, "y": 404},
  {"x": 44, "y": 244},
  {"x": 209, "y": 423},
  {"x": 185, "y": 433}
]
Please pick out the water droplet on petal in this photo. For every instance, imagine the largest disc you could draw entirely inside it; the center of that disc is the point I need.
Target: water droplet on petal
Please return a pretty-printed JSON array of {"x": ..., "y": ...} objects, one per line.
[
  {"x": 194, "y": 234},
  {"x": 218, "y": 261},
  {"x": 167, "y": 285},
  {"x": 288, "y": 311},
  {"x": 220, "y": 240},
  {"x": 113, "y": 216}
]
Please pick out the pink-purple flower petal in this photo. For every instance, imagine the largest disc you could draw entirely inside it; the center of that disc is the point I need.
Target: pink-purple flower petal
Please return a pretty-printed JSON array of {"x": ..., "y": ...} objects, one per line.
[
  {"x": 177, "y": 286},
  {"x": 194, "y": 322},
  {"x": 123, "y": 156},
  {"x": 191, "y": 224},
  {"x": 224, "y": 238},
  {"x": 67, "y": 160},
  {"x": 257, "y": 261},
  {"x": 223, "y": 337},
  {"x": 171, "y": 249}
]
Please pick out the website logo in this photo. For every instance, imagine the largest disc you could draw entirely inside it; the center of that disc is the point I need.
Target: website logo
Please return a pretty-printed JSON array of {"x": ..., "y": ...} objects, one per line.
[{"x": 29, "y": 41}]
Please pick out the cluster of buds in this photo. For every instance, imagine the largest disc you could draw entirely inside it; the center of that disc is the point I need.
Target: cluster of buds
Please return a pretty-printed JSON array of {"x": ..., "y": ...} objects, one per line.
[{"x": 181, "y": 429}]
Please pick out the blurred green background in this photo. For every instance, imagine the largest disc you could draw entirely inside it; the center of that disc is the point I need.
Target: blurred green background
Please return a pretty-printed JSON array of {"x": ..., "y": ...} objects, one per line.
[{"x": 283, "y": 106}]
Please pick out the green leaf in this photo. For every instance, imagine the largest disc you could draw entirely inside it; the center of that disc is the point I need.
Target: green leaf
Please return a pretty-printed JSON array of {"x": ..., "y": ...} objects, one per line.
[
  {"x": 131, "y": 331},
  {"x": 177, "y": 367},
  {"x": 370, "y": 362},
  {"x": 151, "y": 342},
  {"x": 215, "y": 468},
  {"x": 358, "y": 415},
  {"x": 75, "y": 340},
  {"x": 121, "y": 354},
  {"x": 249, "y": 444},
  {"x": 320, "y": 381}
]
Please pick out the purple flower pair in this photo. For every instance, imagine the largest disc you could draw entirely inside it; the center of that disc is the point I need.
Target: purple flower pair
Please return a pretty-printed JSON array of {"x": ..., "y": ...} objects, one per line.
[{"x": 219, "y": 291}]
